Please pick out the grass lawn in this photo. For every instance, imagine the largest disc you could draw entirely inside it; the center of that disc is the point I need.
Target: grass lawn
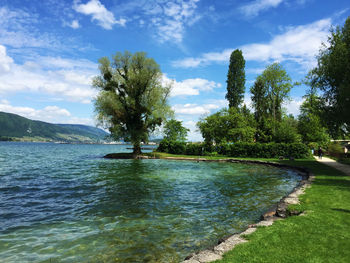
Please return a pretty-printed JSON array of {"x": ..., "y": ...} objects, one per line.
[
  {"x": 322, "y": 235},
  {"x": 344, "y": 160}
]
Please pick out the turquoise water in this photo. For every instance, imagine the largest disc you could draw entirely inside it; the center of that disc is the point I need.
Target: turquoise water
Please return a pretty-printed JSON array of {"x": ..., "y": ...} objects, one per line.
[{"x": 64, "y": 203}]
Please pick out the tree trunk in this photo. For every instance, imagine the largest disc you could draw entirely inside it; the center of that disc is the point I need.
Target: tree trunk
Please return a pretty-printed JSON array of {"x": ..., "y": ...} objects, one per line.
[{"x": 137, "y": 150}]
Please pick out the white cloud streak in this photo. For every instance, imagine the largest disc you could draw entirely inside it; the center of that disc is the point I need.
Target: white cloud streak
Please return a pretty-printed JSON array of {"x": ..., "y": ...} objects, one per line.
[
  {"x": 299, "y": 44},
  {"x": 194, "y": 109},
  {"x": 166, "y": 20},
  {"x": 51, "y": 114},
  {"x": 254, "y": 8},
  {"x": 98, "y": 13},
  {"x": 70, "y": 79},
  {"x": 175, "y": 17},
  {"x": 189, "y": 87}
]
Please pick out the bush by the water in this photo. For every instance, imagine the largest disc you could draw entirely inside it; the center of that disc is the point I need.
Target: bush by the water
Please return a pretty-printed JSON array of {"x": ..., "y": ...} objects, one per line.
[{"x": 239, "y": 149}]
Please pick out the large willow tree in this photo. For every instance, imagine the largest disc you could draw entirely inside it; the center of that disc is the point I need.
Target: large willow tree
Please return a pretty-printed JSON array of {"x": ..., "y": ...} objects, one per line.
[{"x": 132, "y": 101}]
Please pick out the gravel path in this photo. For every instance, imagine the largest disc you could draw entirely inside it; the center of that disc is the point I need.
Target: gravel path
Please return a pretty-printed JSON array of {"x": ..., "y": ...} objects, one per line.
[{"x": 339, "y": 166}]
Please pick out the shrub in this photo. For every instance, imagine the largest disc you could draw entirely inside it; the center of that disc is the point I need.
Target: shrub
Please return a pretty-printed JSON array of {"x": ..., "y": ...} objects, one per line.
[
  {"x": 336, "y": 150},
  {"x": 240, "y": 149}
]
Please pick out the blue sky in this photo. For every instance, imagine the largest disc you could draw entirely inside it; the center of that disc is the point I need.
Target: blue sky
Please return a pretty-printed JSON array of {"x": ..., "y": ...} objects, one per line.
[{"x": 49, "y": 49}]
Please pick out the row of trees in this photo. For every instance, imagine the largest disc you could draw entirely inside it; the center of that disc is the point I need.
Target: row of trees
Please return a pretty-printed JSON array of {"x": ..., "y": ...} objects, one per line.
[
  {"x": 132, "y": 102},
  {"x": 268, "y": 122},
  {"x": 321, "y": 116}
]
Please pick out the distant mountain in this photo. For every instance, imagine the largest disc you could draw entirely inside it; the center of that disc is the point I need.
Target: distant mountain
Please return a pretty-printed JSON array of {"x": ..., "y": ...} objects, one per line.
[{"x": 15, "y": 127}]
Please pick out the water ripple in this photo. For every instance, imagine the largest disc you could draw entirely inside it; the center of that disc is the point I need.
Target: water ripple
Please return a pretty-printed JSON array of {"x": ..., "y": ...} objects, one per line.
[{"x": 64, "y": 203}]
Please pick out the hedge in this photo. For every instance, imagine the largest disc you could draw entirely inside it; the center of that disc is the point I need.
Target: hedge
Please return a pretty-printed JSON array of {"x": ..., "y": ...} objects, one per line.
[{"x": 240, "y": 149}]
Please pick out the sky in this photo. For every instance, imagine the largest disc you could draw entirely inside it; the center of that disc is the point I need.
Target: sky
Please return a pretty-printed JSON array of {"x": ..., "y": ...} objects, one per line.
[{"x": 49, "y": 49}]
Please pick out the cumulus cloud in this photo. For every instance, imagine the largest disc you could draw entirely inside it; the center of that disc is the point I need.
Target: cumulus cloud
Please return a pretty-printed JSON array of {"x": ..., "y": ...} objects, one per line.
[
  {"x": 51, "y": 114},
  {"x": 67, "y": 78},
  {"x": 254, "y": 8},
  {"x": 189, "y": 86},
  {"x": 299, "y": 44},
  {"x": 194, "y": 109},
  {"x": 99, "y": 13}
]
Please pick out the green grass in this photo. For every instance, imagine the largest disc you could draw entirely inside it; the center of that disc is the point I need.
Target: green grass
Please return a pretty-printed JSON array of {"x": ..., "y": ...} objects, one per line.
[
  {"x": 322, "y": 235},
  {"x": 344, "y": 160}
]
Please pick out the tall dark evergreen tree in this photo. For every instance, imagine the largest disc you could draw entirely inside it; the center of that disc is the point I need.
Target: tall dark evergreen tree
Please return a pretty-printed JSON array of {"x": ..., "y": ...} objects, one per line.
[{"x": 236, "y": 79}]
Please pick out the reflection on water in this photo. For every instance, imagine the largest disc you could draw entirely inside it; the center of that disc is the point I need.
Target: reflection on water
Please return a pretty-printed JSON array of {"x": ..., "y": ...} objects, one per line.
[{"x": 63, "y": 203}]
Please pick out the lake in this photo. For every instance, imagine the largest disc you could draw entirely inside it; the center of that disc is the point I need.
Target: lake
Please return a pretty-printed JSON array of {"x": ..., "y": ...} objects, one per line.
[{"x": 65, "y": 203}]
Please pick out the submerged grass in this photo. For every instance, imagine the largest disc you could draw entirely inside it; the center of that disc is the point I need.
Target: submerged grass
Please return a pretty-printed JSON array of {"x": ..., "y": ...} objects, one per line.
[{"x": 321, "y": 235}]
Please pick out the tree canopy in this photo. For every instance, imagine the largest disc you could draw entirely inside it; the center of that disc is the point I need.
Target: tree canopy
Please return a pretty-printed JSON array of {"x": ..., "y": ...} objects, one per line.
[
  {"x": 310, "y": 125},
  {"x": 174, "y": 131},
  {"x": 227, "y": 125},
  {"x": 132, "y": 102},
  {"x": 236, "y": 79},
  {"x": 332, "y": 77},
  {"x": 269, "y": 92}
]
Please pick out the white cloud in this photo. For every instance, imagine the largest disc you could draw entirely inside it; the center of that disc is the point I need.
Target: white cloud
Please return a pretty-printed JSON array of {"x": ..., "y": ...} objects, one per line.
[
  {"x": 170, "y": 19},
  {"x": 194, "y": 109},
  {"x": 293, "y": 106},
  {"x": 17, "y": 30},
  {"x": 193, "y": 135},
  {"x": 25, "y": 31},
  {"x": 74, "y": 24},
  {"x": 255, "y": 7},
  {"x": 67, "y": 78},
  {"x": 51, "y": 114},
  {"x": 5, "y": 61},
  {"x": 177, "y": 16},
  {"x": 299, "y": 44},
  {"x": 99, "y": 13},
  {"x": 189, "y": 86}
]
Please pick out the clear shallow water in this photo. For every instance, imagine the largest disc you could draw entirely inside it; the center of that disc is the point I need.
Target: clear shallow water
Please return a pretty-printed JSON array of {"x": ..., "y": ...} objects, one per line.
[{"x": 64, "y": 203}]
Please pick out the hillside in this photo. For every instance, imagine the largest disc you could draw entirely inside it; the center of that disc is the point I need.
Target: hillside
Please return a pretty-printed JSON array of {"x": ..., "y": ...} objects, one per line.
[{"x": 15, "y": 127}]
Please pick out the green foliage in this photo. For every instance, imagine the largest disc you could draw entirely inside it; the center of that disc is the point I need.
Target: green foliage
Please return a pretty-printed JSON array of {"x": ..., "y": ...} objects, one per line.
[
  {"x": 236, "y": 79},
  {"x": 174, "y": 131},
  {"x": 131, "y": 102},
  {"x": 332, "y": 77},
  {"x": 241, "y": 149},
  {"x": 310, "y": 125},
  {"x": 227, "y": 125},
  {"x": 336, "y": 150},
  {"x": 287, "y": 131},
  {"x": 269, "y": 92}
]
